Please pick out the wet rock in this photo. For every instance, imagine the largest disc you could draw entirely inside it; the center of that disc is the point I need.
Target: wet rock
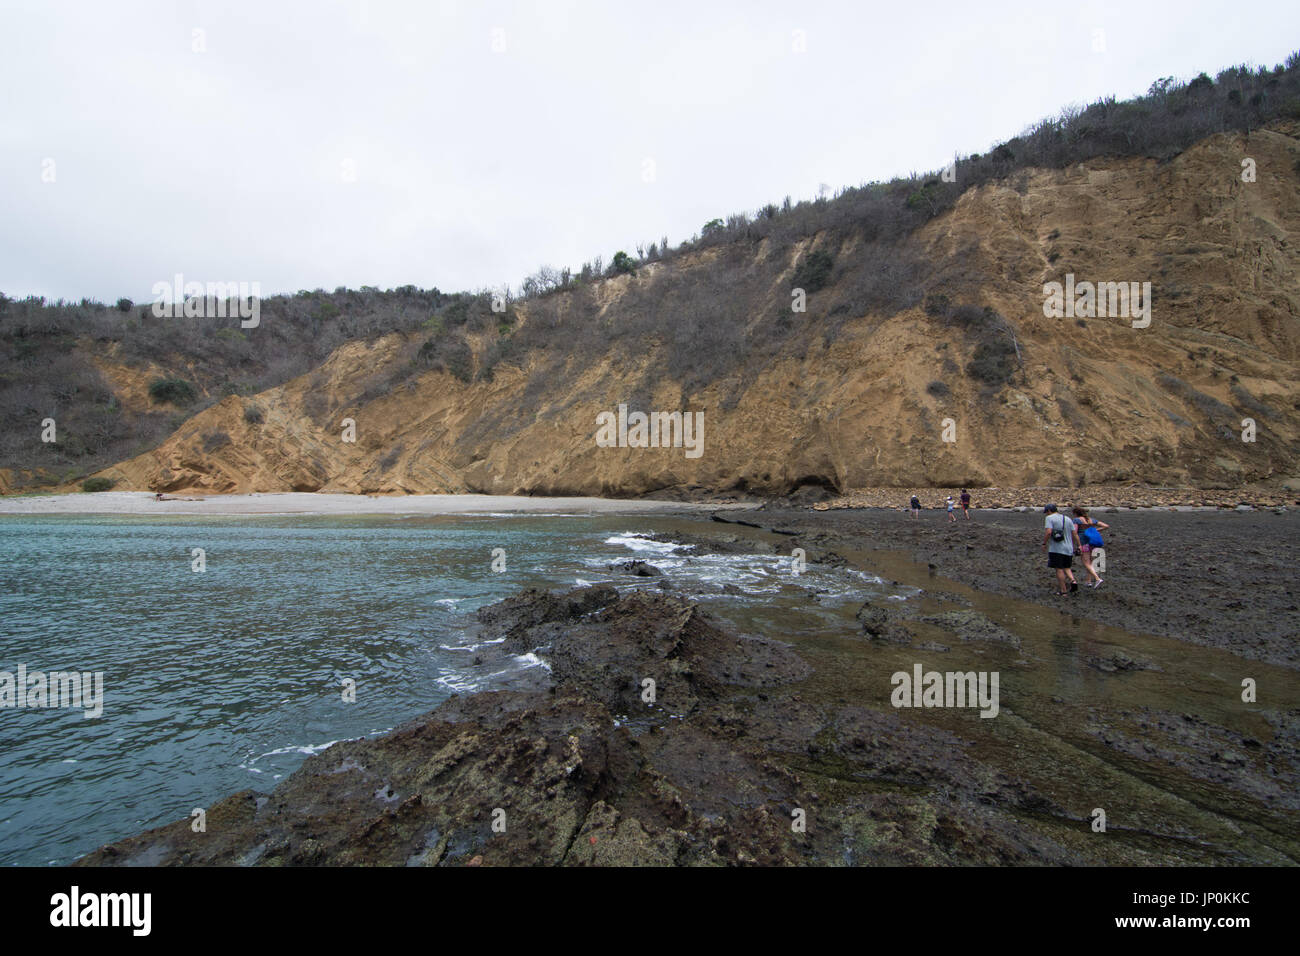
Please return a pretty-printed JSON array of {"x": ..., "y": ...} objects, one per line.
[
  {"x": 638, "y": 568},
  {"x": 723, "y": 543},
  {"x": 872, "y": 618},
  {"x": 1116, "y": 663},
  {"x": 586, "y": 770},
  {"x": 533, "y": 607},
  {"x": 879, "y": 623},
  {"x": 973, "y": 626}
]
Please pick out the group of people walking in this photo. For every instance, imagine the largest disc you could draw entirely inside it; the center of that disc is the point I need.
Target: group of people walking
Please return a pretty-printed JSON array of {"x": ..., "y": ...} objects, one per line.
[
  {"x": 1064, "y": 536},
  {"x": 915, "y": 506}
]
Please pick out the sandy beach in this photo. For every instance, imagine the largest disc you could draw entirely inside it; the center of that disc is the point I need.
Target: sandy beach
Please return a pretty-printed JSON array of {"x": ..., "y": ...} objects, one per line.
[{"x": 144, "y": 503}]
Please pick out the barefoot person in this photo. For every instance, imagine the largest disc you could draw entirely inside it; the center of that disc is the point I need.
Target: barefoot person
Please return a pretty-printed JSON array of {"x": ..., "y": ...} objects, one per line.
[
  {"x": 916, "y": 506},
  {"x": 1060, "y": 541},
  {"x": 1093, "y": 549},
  {"x": 965, "y": 503},
  {"x": 952, "y": 514}
]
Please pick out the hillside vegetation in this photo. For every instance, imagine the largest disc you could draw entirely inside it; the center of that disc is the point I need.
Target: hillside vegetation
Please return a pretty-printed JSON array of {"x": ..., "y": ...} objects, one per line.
[{"x": 923, "y": 302}]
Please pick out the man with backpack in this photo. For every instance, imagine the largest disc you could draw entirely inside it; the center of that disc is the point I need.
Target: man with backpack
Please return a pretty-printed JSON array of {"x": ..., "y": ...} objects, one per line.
[{"x": 1060, "y": 541}]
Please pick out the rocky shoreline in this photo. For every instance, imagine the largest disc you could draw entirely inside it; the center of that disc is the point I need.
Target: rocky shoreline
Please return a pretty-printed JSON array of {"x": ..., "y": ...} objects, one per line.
[
  {"x": 1223, "y": 579},
  {"x": 753, "y": 750},
  {"x": 1286, "y": 494}
]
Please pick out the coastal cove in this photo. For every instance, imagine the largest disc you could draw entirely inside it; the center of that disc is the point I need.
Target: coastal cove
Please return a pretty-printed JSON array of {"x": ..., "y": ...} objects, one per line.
[
  {"x": 227, "y": 678},
  {"x": 802, "y": 719}
]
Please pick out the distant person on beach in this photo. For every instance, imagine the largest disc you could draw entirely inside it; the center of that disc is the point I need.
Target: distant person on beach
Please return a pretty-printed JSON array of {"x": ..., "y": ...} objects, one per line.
[
  {"x": 965, "y": 503},
  {"x": 1092, "y": 549},
  {"x": 916, "y": 506},
  {"x": 952, "y": 514},
  {"x": 1060, "y": 541}
]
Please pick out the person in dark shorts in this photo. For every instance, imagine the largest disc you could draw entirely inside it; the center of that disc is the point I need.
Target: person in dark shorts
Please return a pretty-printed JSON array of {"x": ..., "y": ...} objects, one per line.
[
  {"x": 965, "y": 503},
  {"x": 915, "y": 505},
  {"x": 1060, "y": 541}
]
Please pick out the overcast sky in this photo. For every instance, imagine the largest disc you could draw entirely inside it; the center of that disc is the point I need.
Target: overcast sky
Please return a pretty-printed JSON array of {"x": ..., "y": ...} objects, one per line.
[{"x": 462, "y": 144}]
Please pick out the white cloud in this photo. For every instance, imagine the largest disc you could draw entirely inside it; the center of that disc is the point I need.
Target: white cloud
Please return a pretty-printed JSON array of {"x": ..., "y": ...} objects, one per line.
[{"x": 474, "y": 167}]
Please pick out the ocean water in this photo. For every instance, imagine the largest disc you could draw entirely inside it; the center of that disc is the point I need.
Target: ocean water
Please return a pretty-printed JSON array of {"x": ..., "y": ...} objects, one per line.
[{"x": 226, "y": 679}]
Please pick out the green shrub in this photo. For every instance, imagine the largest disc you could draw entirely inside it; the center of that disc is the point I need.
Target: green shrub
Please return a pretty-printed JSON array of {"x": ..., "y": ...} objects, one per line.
[
  {"x": 458, "y": 311},
  {"x": 253, "y": 415},
  {"x": 623, "y": 263},
  {"x": 993, "y": 363},
  {"x": 925, "y": 199},
  {"x": 814, "y": 272},
  {"x": 969, "y": 316},
  {"x": 458, "y": 359},
  {"x": 938, "y": 389},
  {"x": 96, "y": 484},
  {"x": 175, "y": 390},
  {"x": 937, "y": 304},
  {"x": 125, "y": 305}
]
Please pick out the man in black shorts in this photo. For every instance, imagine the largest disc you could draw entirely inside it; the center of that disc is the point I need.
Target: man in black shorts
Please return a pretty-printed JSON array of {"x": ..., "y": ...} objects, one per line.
[{"x": 1060, "y": 553}]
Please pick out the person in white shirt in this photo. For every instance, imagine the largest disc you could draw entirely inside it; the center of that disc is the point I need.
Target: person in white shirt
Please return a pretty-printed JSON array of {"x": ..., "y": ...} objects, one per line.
[{"x": 1060, "y": 552}]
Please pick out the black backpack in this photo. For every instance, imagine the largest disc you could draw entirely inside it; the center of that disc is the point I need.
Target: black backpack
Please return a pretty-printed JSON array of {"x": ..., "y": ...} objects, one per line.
[{"x": 1058, "y": 534}]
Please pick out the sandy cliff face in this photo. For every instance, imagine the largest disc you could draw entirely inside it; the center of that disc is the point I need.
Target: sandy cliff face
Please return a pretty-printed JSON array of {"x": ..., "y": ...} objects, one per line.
[{"x": 1096, "y": 401}]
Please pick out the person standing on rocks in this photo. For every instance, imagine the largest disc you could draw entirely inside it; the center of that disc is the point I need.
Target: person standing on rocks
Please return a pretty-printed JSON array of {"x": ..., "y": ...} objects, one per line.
[
  {"x": 1060, "y": 541},
  {"x": 965, "y": 503}
]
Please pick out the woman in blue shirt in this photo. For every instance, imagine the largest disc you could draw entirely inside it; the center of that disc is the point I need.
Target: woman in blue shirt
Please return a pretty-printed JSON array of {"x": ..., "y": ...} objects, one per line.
[{"x": 1091, "y": 542}]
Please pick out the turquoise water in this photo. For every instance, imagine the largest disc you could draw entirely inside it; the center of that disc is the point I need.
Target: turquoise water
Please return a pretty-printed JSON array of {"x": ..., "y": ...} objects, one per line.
[{"x": 226, "y": 679}]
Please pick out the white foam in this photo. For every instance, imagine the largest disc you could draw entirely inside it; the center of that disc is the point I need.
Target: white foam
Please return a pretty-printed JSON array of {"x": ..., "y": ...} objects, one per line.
[
  {"x": 640, "y": 543},
  {"x": 532, "y": 660}
]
